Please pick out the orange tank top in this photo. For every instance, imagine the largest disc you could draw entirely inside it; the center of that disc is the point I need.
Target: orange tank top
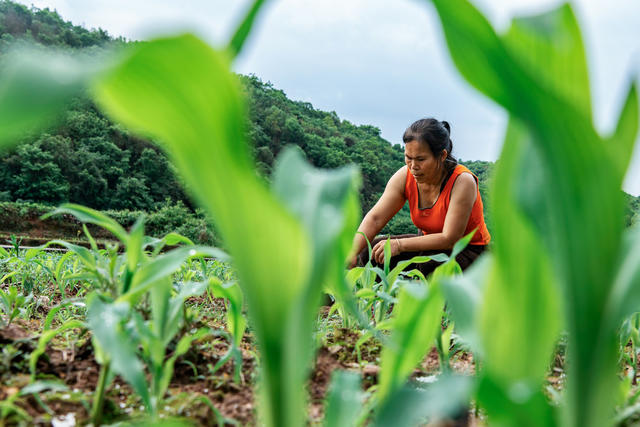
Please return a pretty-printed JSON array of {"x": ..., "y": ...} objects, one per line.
[{"x": 431, "y": 220}]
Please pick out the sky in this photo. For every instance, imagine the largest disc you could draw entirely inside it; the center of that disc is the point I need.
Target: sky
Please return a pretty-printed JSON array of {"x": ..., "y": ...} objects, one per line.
[{"x": 380, "y": 62}]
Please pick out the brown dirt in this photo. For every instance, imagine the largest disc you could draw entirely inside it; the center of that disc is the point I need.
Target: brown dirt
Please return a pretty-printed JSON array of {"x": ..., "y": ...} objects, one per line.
[{"x": 77, "y": 368}]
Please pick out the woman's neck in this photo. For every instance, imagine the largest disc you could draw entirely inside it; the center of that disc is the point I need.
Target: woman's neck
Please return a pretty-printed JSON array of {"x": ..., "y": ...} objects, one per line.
[{"x": 436, "y": 182}]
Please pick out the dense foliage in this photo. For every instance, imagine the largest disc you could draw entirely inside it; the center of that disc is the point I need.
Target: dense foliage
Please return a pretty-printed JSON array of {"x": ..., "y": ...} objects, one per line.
[
  {"x": 46, "y": 27},
  {"x": 90, "y": 160}
]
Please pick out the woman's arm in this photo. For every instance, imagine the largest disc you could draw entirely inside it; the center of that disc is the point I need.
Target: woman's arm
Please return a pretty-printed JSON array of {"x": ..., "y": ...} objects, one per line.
[
  {"x": 387, "y": 206},
  {"x": 463, "y": 196}
]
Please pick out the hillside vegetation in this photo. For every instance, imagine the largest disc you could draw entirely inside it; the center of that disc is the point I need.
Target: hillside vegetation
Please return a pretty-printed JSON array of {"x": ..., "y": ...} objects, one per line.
[{"x": 87, "y": 159}]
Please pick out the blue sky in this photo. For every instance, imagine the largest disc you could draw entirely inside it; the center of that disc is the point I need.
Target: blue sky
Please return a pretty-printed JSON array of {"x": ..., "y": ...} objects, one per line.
[{"x": 380, "y": 62}]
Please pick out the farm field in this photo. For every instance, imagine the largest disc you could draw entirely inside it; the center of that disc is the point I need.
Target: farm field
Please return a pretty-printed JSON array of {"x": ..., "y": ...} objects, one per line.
[
  {"x": 66, "y": 374},
  {"x": 270, "y": 327},
  {"x": 47, "y": 348}
]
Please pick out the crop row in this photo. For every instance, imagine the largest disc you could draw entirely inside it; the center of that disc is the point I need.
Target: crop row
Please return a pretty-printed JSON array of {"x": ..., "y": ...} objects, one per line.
[{"x": 562, "y": 261}]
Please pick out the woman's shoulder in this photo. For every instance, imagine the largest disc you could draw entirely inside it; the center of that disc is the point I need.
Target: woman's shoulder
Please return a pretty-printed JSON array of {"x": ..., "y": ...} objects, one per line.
[
  {"x": 464, "y": 183},
  {"x": 398, "y": 180},
  {"x": 459, "y": 169},
  {"x": 400, "y": 174}
]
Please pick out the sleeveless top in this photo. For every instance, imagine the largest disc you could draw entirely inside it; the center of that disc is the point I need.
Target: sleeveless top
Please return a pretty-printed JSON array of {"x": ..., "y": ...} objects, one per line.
[{"x": 431, "y": 220}]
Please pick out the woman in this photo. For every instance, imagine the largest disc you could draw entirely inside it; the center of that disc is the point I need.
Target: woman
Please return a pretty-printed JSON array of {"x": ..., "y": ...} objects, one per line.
[{"x": 444, "y": 201}]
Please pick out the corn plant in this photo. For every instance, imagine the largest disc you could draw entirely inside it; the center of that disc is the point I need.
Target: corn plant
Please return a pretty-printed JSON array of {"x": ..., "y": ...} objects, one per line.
[
  {"x": 375, "y": 288},
  {"x": 21, "y": 270},
  {"x": 59, "y": 270},
  {"x": 236, "y": 322},
  {"x": 122, "y": 281},
  {"x": 305, "y": 221},
  {"x": 49, "y": 332},
  {"x": 558, "y": 222},
  {"x": 416, "y": 324},
  {"x": 118, "y": 330},
  {"x": 12, "y": 303},
  {"x": 182, "y": 93},
  {"x": 15, "y": 243},
  {"x": 628, "y": 404},
  {"x": 344, "y": 399},
  {"x": 630, "y": 333}
]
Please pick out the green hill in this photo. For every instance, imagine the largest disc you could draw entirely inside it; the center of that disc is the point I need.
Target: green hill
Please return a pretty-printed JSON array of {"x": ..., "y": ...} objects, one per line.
[{"x": 88, "y": 159}]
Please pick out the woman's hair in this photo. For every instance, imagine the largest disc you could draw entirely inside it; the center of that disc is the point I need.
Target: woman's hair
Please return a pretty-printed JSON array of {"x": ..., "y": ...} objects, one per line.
[{"x": 437, "y": 135}]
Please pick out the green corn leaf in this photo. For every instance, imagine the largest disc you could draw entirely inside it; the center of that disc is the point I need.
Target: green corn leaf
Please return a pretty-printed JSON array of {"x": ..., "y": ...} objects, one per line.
[
  {"x": 106, "y": 322},
  {"x": 344, "y": 400},
  {"x": 353, "y": 275},
  {"x": 92, "y": 241},
  {"x": 514, "y": 404},
  {"x": 199, "y": 118},
  {"x": 173, "y": 239},
  {"x": 550, "y": 45},
  {"x": 83, "y": 253},
  {"x": 236, "y": 322},
  {"x": 464, "y": 296},
  {"x": 163, "y": 266},
  {"x": 409, "y": 406},
  {"x": 319, "y": 200},
  {"x": 45, "y": 338},
  {"x": 369, "y": 248},
  {"x": 323, "y": 202},
  {"x": 475, "y": 49},
  {"x": 242, "y": 32},
  {"x": 40, "y": 386},
  {"x": 563, "y": 145},
  {"x": 176, "y": 304},
  {"x": 163, "y": 329},
  {"x": 417, "y": 318},
  {"x": 445, "y": 339},
  {"x": 625, "y": 298},
  {"x": 8, "y": 276},
  {"x": 60, "y": 264},
  {"x": 134, "y": 244},
  {"x": 622, "y": 141},
  {"x": 521, "y": 309},
  {"x": 393, "y": 274},
  {"x": 181, "y": 93},
  {"x": 387, "y": 256},
  {"x": 553, "y": 121},
  {"x": 461, "y": 244},
  {"x": 91, "y": 216},
  {"x": 366, "y": 293},
  {"x": 181, "y": 348},
  {"x": 48, "y": 321}
]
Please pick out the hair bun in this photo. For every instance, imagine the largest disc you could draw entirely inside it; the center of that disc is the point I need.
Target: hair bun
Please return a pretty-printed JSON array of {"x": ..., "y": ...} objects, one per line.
[{"x": 446, "y": 126}]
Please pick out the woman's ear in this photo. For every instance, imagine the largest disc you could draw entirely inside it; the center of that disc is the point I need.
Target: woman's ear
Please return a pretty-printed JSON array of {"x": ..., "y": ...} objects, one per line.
[{"x": 444, "y": 155}]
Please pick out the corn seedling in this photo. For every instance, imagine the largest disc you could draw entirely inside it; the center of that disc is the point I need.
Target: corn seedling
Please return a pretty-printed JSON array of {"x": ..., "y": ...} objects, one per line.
[
  {"x": 236, "y": 323},
  {"x": 59, "y": 270},
  {"x": 310, "y": 214},
  {"x": 12, "y": 303},
  {"x": 118, "y": 329},
  {"x": 15, "y": 243}
]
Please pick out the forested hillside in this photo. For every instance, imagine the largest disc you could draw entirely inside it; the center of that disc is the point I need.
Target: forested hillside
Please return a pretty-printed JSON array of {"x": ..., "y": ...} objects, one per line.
[{"x": 89, "y": 160}]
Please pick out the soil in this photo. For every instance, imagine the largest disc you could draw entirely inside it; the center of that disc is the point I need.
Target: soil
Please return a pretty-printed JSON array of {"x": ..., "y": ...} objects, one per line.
[{"x": 191, "y": 385}]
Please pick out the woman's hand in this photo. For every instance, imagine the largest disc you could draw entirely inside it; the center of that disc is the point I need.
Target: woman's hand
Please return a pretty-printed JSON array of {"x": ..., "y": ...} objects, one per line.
[{"x": 378, "y": 250}]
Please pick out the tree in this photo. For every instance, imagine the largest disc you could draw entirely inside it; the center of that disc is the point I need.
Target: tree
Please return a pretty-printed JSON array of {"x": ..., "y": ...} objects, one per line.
[
  {"x": 132, "y": 194},
  {"x": 36, "y": 177}
]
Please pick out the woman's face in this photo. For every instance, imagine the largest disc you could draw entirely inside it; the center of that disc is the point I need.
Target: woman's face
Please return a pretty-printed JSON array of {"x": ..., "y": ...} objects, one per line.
[{"x": 422, "y": 164}]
